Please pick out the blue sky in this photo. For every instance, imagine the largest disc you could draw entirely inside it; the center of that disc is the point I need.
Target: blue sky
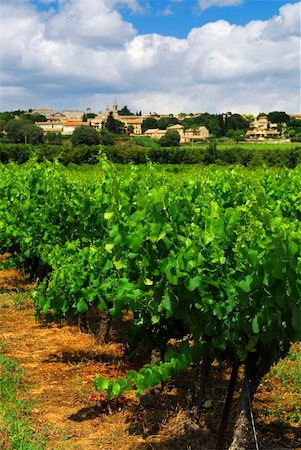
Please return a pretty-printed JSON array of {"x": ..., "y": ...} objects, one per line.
[
  {"x": 154, "y": 55},
  {"x": 177, "y": 18}
]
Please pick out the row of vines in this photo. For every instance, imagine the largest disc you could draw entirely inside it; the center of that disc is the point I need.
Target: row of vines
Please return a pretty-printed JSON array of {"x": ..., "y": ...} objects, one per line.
[{"x": 213, "y": 260}]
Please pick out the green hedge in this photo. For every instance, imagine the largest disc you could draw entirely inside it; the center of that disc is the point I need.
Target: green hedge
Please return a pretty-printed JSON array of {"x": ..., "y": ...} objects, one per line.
[{"x": 139, "y": 154}]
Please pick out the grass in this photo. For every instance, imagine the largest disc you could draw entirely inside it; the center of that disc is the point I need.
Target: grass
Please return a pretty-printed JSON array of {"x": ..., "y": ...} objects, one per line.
[
  {"x": 288, "y": 370},
  {"x": 286, "y": 378},
  {"x": 19, "y": 299},
  {"x": 15, "y": 430}
]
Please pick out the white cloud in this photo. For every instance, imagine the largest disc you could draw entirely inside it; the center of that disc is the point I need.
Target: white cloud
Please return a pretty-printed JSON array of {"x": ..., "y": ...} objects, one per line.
[
  {"x": 167, "y": 11},
  {"x": 92, "y": 23},
  {"x": 85, "y": 56},
  {"x": 133, "y": 5},
  {"x": 205, "y": 4}
]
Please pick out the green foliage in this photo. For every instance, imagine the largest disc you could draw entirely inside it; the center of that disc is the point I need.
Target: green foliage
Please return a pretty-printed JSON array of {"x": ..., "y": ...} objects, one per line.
[
  {"x": 125, "y": 111},
  {"x": 37, "y": 118},
  {"x": 85, "y": 135},
  {"x": 21, "y": 131},
  {"x": 6, "y": 116},
  {"x": 170, "y": 139},
  {"x": 278, "y": 117},
  {"x": 54, "y": 138},
  {"x": 149, "y": 123},
  {"x": 261, "y": 114},
  {"x": 212, "y": 122},
  {"x": 215, "y": 257},
  {"x": 106, "y": 138},
  {"x": 146, "y": 142},
  {"x": 165, "y": 122},
  {"x": 113, "y": 126},
  {"x": 211, "y": 153},
  {"x": 288, "y": 370},
  {"x": 141, "y": 149},
  {"x": 15, "y": 430}
]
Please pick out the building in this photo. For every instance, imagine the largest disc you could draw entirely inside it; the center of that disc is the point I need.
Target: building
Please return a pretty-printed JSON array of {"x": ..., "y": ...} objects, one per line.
[
  {"x": 186, "y": 136},
  {"x": 154, "y": 133},
  {"x": 261, "y": 128},
  {"x": 132, "y": 123},
  {"x": 54, "y": 126},
  {"x": 261, "y": 134},
  {"x": 70, "y": 126},
  {"x": 72, "y": 114},
  {"x": 47, "y": 112},
  {"x": 65, "y": 127}
]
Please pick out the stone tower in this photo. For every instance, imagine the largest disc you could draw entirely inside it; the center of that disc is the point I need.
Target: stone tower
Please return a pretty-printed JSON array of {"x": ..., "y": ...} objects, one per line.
[{"x": 115, "y": 108}]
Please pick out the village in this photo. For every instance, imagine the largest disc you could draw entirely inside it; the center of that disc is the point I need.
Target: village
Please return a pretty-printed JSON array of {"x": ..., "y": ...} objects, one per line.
[{"x": 67, "y": 121}]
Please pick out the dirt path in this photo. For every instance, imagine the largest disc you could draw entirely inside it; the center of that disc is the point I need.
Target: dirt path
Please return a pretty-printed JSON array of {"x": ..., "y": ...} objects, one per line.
[{"x": 60, "y": 363}]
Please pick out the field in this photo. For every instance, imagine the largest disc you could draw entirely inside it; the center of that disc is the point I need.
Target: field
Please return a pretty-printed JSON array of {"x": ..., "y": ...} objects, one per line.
[
  {"x": 265, "y": 146},
  {"x": 161, "y": 281},
  {"x": 61, "y": 409}
]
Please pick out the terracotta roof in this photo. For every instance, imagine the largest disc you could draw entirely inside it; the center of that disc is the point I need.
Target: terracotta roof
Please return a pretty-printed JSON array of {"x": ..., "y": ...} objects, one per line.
[{"x": 76, "y": 124}]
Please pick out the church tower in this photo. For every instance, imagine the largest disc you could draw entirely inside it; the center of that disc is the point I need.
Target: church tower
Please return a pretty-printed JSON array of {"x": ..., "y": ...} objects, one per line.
[{"x": 115, "y": 108}]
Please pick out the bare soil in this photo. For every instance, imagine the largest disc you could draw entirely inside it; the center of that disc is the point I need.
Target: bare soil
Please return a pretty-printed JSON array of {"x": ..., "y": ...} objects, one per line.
[{"x": 60, "y": 362}]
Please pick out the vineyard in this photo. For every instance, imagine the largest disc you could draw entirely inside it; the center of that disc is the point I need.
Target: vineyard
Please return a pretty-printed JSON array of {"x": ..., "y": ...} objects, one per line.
[{"x": 190, "y": 268}]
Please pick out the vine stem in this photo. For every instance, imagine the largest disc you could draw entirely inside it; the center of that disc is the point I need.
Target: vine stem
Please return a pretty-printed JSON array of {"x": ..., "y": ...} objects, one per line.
[{"x": 227, "y": 408}]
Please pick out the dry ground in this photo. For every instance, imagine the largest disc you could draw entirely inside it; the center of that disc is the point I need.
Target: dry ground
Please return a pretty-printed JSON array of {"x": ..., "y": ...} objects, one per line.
[{"x": 60, "y": 363}]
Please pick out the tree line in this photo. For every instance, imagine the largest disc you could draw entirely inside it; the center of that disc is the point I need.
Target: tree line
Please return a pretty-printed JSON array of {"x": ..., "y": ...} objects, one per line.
[{"x": 19, "y": 127}]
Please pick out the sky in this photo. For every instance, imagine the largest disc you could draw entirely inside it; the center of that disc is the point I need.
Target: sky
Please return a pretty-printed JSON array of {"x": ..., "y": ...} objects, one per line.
[{"x": 164, "y": 56}]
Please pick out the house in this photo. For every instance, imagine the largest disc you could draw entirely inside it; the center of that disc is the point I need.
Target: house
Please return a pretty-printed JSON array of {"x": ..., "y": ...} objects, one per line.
[
  {"x": 261, "y": 134},
  {"x": 59, "y": 126},
  {"x": 154, "y": 133},
  {"x": 186, "y": 136},
  {"x": 70, "y": 126},
  {"x": 194, "y": 134},
  {"x": 51, "y": 125},
  {"x": 261, "y": 128}
]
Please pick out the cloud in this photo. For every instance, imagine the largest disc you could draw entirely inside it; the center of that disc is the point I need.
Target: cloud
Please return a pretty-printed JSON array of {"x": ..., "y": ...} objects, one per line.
[
  {"x": 85, "y": 56},
  {"x": 89, "y": 23},
  {"x": 167, "y": 11},
  {"x": 205, "y": 4}
]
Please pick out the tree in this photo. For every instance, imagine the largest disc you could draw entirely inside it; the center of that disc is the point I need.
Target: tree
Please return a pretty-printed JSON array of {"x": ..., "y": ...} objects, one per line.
[
  {"x": 236, "y": 135},
  {"x": 213, "y": 122},
  {"x": 33, "y": 134},
  {"x": 54, "y": 138},
  {"x": 85, "y": 136},
  {"x": 170, "y": 139},
  {"x": 278, "y": 117},
  {"x": 165, "y": 122},
  {"x": 37, "y": 118},
  {"x": 32, "y": 117},
  {"x": 130, "y": 128},
  {"x": 125, "y": 111},
  {"x": 148, "y": 123},
  {"x": 236, "y": 122},
  {"x": 114, "y": 126},
  {"x": 23, "y": 131},
  {"x": 106, "y": 138},
  {"x": 211, "y": 153},
  {"x": 2, "y": 127},
  {"x": 14, "y": 130},
  {"x": 261, "y": 114},
  {"x": 6, "y": 116},
  {"x": 249, "y": 117}
]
